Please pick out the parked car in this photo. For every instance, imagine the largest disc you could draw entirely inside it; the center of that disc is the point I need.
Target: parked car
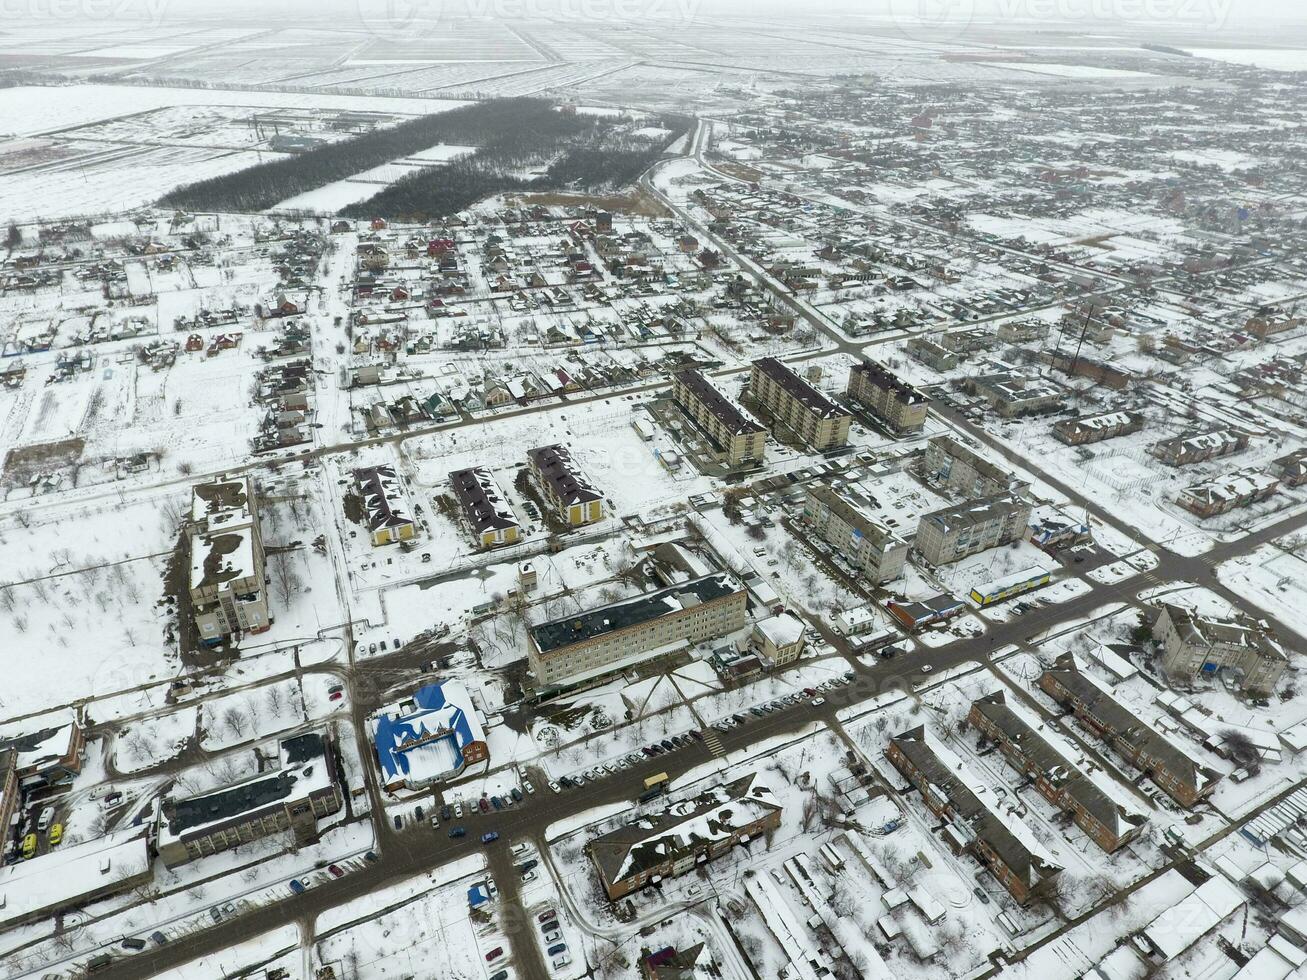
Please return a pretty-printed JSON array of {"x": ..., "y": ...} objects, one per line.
[
  {"x": 446, "y": 812},
  {"x": 489, "y": 838},
  {"x": 560, "y": 961},
  {"x": 558, "y": 949},
  {"x": 29, "y": 846},
  {"x": 817, "y": 702},
  {"x": 159, "y": 938},
  {"x": 526, "y": 785},
  {"x": 516, "y": 794},
  {"x": 546, "y": 915},
  {"x": 457, "y": 832},
  {"x": 496, "y": 802},
  {"x": 335, "y": 871},
  {"x": 56, "y": 834},
  {"x": 555, "y": 786},
  {"x": 215, "y": 914},
  {"x": 926, "y": 668},
  {"x": 131, "y": 942},
  {"x": 371, "y": 857},
  {"x": 335, "y": 696},
  {"x": 297, "y": 886},
  {"x": 485, "y": 805},
  {"x": 494, "y": 954},
  {"x": 458, "y": 809},
  {"x": 501, "y": 975},
  {"x": 553, "y": 937},
  {"x": 43, "y": 821}
]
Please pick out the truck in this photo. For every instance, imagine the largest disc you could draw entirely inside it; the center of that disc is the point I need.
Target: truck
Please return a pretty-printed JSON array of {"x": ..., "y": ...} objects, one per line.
[{"x": 658, "y": 781}]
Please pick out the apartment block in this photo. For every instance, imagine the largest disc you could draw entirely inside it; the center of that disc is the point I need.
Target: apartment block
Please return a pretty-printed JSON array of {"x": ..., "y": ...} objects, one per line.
[
  {"x": 898, "y": 404},
  {"x": 1180, "y": 775},
  {"x": 778, "y": 639},
  {"x": 684, "y": 836},
  {"x": 10, "y": 799},
  {"x": 842, "y": 519},
  {"x": 975, "y": 822},
  {"x": 957, "y": 467},
  {"x": 1241, "y": 650},
  {"x": 304, "y": 789},
  {"x": 1097, "y": 428},
  {"x": 797, "y": 405},
  {"x": 738, "y": 439},
  {"x": 1226, "y": 493},
  {"x": 1099, "y": 811},
  {"x": 1199, "y": 447},
  {"x": 589, "y": 645},
  {"x": 566, "y": 489},
  {"x": 484, "y": 507},
  {"x": 1014, "y": 396},
  {"x": 971, "y": 527},
  {"x": 45, "y": 750},
  {"x": 385, "y": 510},
  {"x": 227, "y": 583},
  {"x": 931, "y": 354}
]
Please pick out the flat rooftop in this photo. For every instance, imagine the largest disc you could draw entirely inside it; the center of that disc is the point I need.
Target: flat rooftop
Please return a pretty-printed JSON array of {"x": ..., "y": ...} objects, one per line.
[{"x": 559, "y": 633}]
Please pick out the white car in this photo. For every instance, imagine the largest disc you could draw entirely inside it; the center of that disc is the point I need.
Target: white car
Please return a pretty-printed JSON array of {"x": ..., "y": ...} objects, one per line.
[
  {"x": 560, "y": 961},
  {"x": 926, "y": 668},
  {"x": 817, "y": 702},
  {"x": 458, "y": 809},
  {"x": 528, "y": 787},
  {"x": 555, "y": 787}
]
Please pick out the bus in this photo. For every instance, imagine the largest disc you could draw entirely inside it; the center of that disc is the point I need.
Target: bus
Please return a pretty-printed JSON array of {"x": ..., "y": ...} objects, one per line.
[{"x": 659, "y": 782}]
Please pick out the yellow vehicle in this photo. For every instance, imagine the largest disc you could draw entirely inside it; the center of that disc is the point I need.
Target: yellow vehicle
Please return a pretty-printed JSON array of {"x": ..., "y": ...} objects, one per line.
[
  {"x": 56, "y": 834},
  {"x": 29, "y": 845},
  {"x": 657, "y": 780}
]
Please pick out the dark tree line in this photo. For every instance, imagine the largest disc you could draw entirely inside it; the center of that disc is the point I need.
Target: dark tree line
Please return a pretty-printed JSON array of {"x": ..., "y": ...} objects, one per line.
[
  {"x": 596, "y": 157},
  {"x": 509, "y": 129}
]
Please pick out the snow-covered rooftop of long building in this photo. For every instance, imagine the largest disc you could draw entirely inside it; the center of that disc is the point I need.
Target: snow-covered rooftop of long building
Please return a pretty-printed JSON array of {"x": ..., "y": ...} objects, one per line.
[{"x": 64, "y": 875}]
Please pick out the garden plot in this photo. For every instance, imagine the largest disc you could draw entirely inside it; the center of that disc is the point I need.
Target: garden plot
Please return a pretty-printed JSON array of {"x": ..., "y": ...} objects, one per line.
[{"x": 1272, "y": 579}]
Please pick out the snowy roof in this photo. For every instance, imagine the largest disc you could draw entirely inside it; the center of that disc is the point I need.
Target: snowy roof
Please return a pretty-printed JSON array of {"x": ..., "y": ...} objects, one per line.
[
  {"x": 305, "y": 768},
  {"x": 554, "y": 465},
  {"x": 883, "y": 377},
  {"x": 975, "y": 805},
  {"x": 781, "y": 630},
  {"x": 222, "y": 501},
  {"x": 970, "y": 513},
  {"x": 1183, "y": 924},
  {"x": 551, "y": 636},
  {"x": 730, "y": 415},
  {"x": 482, "y": 501},
  {"x": 712, "y": 816},
  {"x": 62, "y": 876},
  {"x": 39, "y": 741},
  {"x": 1236, "y": 486},
  {"x": 217, "y": 559},
  {"x": 1067, "y": 770},
  {"x": 383, "y": 497},
  {"x": 1123, "y": 721},
  {"x": 422, "y": 738}
]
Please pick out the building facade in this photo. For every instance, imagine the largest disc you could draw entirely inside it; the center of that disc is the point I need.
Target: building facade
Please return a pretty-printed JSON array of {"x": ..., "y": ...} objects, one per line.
[
  {"x": 681, "y": 838},
  {"x": 841, "y": 520},
  {"x": 1059, "y": 780},
  {"x": 1199, "y": 447},
  {"x": 971, "y": 527},
  {"x": 589, "y": 645},
  {"x": 1195, "y": 646},
  {"x": 898, "y": 404},
  {"x": 486, "y": 510},
  {"x": 975, "y": 823},
  {"x": 228, "y": 592},
  {"x": 957, "y": 467},
  {"x": 798, "y": 406},
  {"x": 293, "y": 798},
  {"x": 738, "y": 439},
  {"x": 385, "y": 511},
  {"x": 567, "y": 491},
  {"x": 1097, "y": 428},
  {"x": 1181, "y": 776},
  {"x": 778, "y": 639},
  {"x": 1227, "y": 493}
]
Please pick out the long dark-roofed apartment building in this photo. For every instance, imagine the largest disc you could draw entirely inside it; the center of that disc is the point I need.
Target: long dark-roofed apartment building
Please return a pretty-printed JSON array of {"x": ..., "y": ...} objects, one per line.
[
  {"x": 566, "y": 488},
  {"x": 738, "y": 438},
  {"x": 589, "y": 645},
  {"x": 799, "y": 406}
]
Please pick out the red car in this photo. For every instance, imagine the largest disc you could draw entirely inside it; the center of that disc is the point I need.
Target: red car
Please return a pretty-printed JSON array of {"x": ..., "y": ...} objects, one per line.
[
  {"x": 494, "y": 954},
  {"x": 485, "y": 805},
  {"x": 336, "y": 871},
  {"x": 810, "y": 692},
  {"x": 546, "y": 915},
  {"x": 335, "y": 696}
]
